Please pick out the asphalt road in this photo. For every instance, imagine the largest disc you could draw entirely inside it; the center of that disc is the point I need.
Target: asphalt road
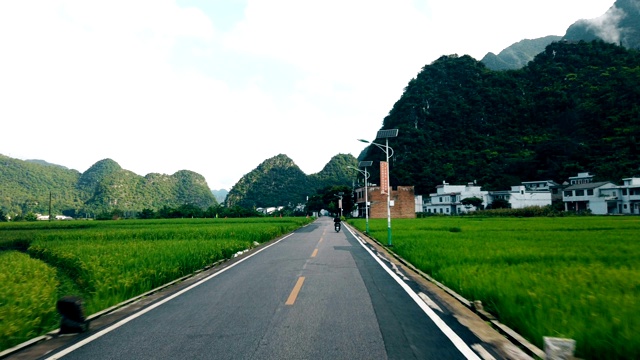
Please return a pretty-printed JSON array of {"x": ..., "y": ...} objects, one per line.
[{"x": 315, "y": 294}]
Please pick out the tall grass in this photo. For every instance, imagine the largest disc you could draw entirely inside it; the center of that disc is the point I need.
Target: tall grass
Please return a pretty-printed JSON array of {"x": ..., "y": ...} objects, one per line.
[
  {"x": 575, "y": 277},
  {"x": 26, "y": 309},
  {"x": 109, "y": 262}
]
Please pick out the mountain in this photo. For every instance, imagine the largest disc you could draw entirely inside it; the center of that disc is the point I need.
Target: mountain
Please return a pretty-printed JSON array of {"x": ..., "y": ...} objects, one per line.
[
  {"x": 619, "y": 25},
  {"x": 335, "y": 173},
  {"x": 42, "y": 162},
  {"x": 573, "y": 108},
  {"x": 278, "y": 181},
  {"x": 519, "y": 54},
  {"x": 104, "y": 187},
  {"x": 220, "y": 195},
  {"x": 26, "y": 185}
]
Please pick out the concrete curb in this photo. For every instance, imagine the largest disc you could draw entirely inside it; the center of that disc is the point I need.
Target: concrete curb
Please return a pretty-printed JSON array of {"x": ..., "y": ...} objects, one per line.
[{"x": 51, "y": 334}]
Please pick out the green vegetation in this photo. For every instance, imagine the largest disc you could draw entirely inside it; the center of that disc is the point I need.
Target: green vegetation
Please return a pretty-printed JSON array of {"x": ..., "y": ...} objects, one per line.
[
  {"x": 626, "y": 25},
  {"x": 27, "y": 299},
  {"x": 105, "y": 188},
  {"x": 106, "y": 263},
  {"x": 278, "y": 181},
  {"x": 106, "y": 191},
  {"x": 574, "y": 277},
  {"x": 574, "y": 108},
  {"x": 519, "y": 54}
]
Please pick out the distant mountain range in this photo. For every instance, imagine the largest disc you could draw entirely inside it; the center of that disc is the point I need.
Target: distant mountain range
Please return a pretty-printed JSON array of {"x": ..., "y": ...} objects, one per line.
[
  {"x": 619, "y": 25},
  {"x": 220, "y": 195},
  {"x": 104, "y": 187},
  {"x": 278, "y": 181},
  {"x": 519, "y": 54}
]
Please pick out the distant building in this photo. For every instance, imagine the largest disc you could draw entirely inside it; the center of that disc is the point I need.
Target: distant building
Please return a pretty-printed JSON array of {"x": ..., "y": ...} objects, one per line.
[
  {"x": 582, "y": 178},
  {"x": 447, "y": 199},
  {"x": 528, "y": 194},
  {"x": 630, "y": 196},
  {"x": 598, "y": 197},
  {"x": 603, "y": 197},
  {"x": 402, "y": 202}
]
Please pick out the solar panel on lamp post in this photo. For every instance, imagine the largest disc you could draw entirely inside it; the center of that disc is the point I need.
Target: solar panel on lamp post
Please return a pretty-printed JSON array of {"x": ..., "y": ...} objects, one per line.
[{"x": 386, "y": 134}]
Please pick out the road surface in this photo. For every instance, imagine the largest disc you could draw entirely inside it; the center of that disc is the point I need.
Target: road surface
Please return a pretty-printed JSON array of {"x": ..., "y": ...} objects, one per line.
[{"x": 314, "y": 294}]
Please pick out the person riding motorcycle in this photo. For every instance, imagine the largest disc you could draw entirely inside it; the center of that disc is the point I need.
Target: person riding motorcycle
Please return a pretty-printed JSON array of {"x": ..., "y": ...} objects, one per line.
[{"x": 337, "y": 222}]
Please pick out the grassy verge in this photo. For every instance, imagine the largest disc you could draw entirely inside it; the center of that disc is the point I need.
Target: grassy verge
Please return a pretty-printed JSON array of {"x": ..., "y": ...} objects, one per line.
[
  {"x": 106, "y": 263},
  {"x": 573, "y": 277}
]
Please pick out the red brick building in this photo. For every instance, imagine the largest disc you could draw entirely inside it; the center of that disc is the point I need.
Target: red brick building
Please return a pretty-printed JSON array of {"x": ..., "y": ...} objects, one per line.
[{"x": 402, "y": 202}]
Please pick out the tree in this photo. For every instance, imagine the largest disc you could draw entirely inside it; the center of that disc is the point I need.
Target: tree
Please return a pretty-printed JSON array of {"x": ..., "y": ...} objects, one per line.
[
  {"x": 146, "y": 214},
  {"x": 3, "y": 217},
  {"x": 500, "y": 204},
  {"x": 315, "y": 204},
  {"x": 472, "y": 201},
  {"x": 331, "y": 199},
  {"x": 30, "y": 217}
]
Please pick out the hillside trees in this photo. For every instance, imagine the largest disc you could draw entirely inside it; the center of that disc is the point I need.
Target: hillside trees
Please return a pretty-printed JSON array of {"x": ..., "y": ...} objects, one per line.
[
  {"x": 105, "y": 189},
  {"x": 573, "y": 108},
  {"x": 278, "y": 181}
]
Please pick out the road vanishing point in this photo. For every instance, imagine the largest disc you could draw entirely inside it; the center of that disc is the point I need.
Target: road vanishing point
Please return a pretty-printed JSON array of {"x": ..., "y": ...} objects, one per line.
[{"x": 312, "y": 294}]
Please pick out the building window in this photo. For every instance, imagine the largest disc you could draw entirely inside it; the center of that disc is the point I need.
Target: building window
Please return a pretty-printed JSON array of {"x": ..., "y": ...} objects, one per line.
[
  {"x": 624, "y": 192},
  {"x": 590, "y": 192},
  {"x": 567, "y": 193},
  {"x": 579, "y": 192},
  {"x": 447, "y": 210},
  {"x": 441, "y": 200}
]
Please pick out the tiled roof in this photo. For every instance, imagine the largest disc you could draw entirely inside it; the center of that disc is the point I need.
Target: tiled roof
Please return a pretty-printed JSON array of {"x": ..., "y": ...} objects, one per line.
[{"x": 592, "y": 185}]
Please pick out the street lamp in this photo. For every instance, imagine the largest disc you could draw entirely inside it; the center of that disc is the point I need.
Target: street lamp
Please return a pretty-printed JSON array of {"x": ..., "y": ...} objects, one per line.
[
  {"x": 364, "y": 164},
  {"x": 386, "y": 134},
  {"x": 339, "y": 195}
]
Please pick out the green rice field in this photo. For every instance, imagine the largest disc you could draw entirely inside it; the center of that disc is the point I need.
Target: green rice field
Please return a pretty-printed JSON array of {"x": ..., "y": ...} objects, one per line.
[
  {"x": 108, "y": 262},
  {"x": 571, "y": 277}
]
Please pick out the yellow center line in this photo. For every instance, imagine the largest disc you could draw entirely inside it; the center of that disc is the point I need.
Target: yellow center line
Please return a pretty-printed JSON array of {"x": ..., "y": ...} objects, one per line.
[
  {"x": 294, "y": 293},
  {"x": 315, "y": 252}
]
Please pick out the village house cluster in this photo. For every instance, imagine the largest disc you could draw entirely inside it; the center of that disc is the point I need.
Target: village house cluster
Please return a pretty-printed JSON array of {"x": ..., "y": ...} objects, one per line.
[{"x": 579, "y": 193}]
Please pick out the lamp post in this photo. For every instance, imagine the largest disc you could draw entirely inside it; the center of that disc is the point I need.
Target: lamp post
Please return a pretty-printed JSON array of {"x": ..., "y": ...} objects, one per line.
[
  {"x": 339, "y": 195},
  {"x": 364, "y": 164},
  {"x": 386, "y": 134}
]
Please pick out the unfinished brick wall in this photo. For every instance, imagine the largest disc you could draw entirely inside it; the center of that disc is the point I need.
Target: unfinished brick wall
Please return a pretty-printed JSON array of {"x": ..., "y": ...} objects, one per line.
[{"x": 403, "y": 198}]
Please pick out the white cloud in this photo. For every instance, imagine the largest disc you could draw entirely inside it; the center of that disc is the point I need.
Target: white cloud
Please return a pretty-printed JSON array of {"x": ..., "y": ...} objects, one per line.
[
  {"x": 158, "y": 88},
  {"x": 606, "y": 26}
]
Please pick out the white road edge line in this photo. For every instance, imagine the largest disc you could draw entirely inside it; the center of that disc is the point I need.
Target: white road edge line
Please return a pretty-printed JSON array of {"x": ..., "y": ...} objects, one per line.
[
  {"x": 99, "y": 334},
  {"x": 455, "y": 339}
]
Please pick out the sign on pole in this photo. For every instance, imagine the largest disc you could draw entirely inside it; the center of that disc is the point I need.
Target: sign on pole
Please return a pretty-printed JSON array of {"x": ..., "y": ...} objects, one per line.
[{"x": 384, "y": 177}]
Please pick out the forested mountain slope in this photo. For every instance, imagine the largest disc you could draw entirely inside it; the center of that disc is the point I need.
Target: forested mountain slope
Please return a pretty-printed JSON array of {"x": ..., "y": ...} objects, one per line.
[
  {"x": 104, "y": 187},
  {"x": 278, "y": 181},
  {"x": 574, "y": 108}
]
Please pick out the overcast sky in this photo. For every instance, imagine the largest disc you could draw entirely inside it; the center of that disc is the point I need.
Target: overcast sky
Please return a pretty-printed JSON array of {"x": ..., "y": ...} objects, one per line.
[{"x": 218, "y": 86}]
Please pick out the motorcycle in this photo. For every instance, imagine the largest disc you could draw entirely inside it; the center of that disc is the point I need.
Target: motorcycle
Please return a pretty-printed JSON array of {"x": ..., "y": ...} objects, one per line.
[{"x": 337, "y": 227}]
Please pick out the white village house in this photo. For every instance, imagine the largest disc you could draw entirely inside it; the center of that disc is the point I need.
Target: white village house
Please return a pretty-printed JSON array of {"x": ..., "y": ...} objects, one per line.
[
  {"x": 529, "y": 193},
  {"x": 580, "y": 193},
  {"x": 602, "y": 197},
  {"x": 447, "y": 199}
]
